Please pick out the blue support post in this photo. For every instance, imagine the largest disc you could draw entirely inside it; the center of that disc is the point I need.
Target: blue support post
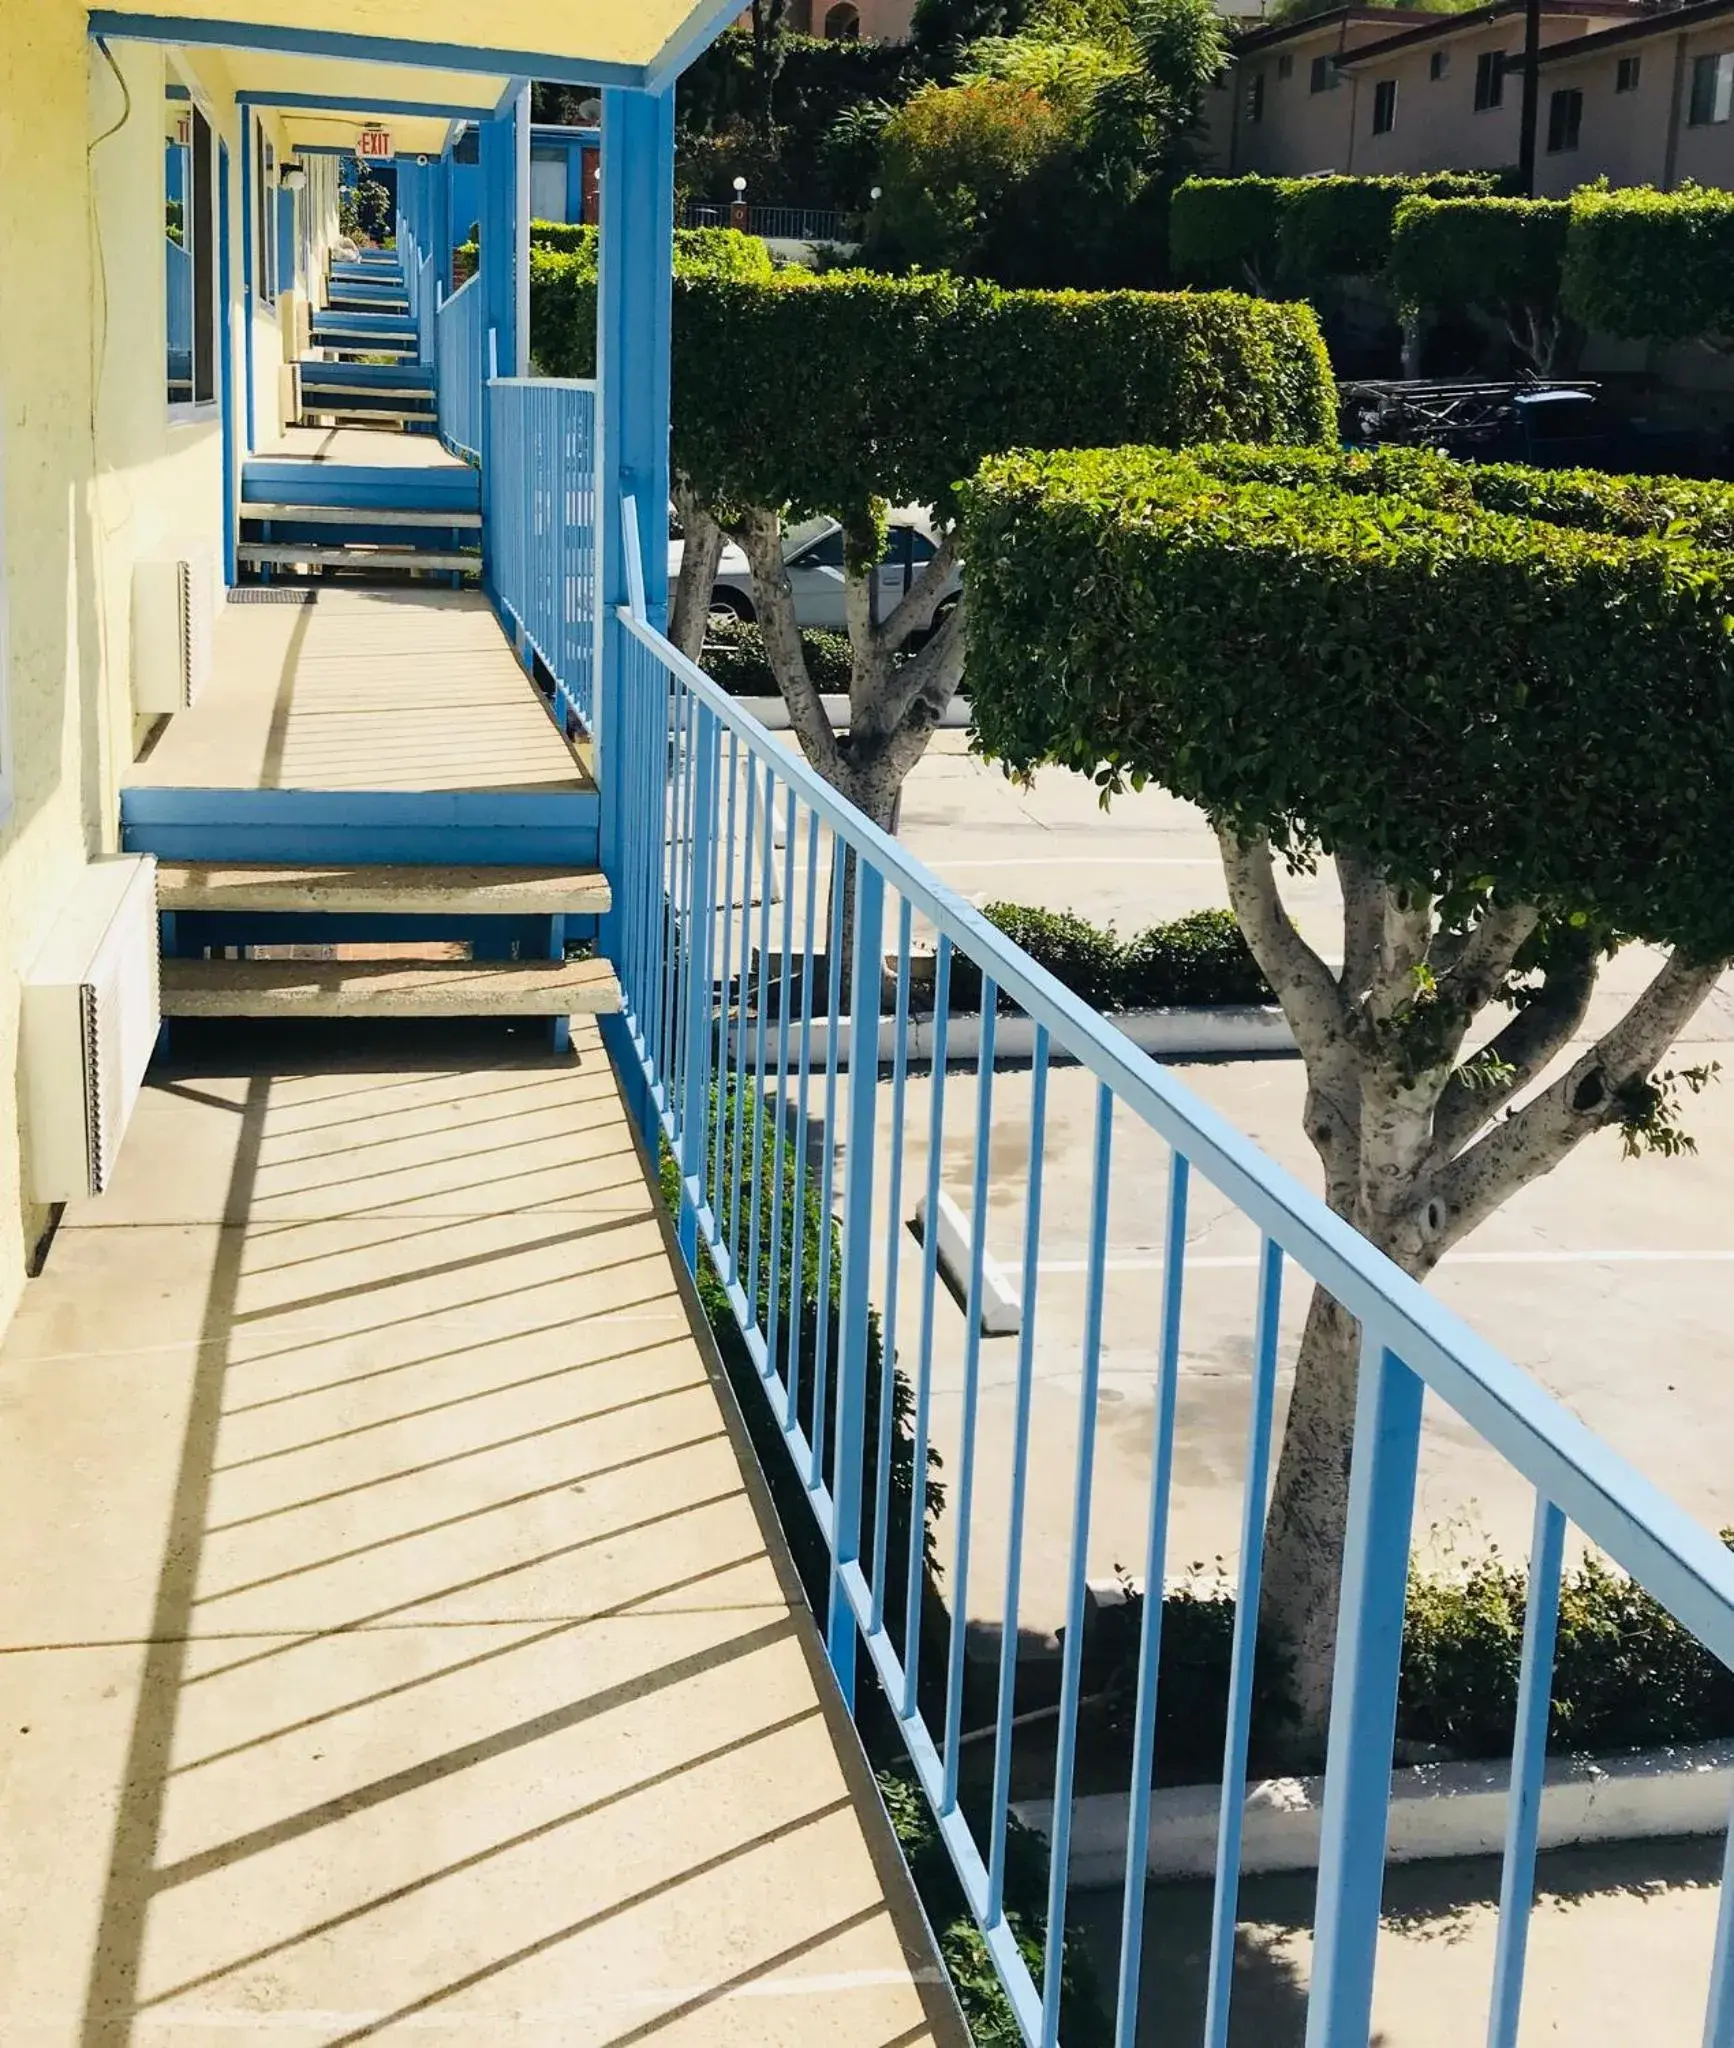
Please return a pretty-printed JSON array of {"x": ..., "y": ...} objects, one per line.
[
  {"x": 499, "y": 225},
  {"x": 1387, "y": 1444},
  {"x": 226, "y": 365},
  {"x": 634, "y": 302},
  {"x": 249, "y": 205}
]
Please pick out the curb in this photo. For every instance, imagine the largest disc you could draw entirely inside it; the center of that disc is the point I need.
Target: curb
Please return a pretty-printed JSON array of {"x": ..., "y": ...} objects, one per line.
[
  {"x": 1234, "y": 1032},
  {"x": 773, "y": 714},
  {"x": 1454, "y": 1809}
]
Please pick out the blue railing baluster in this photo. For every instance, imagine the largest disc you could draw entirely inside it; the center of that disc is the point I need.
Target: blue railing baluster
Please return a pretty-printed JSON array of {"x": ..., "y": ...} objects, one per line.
[
  {"x": 779, "y": 1147},
  {"x": 728, "y": 1114},
  {"x": 964, "y": 1507},
  {"x": 834, "y": 944},
  {"x": 1528, "y": 1771},
  {"x": 798, "y": 1249},
  {"x": 1719, "y": 2012},
  {"x": 1364, "y": 1697},
  {"x": 929, "y": 1284},
  {"x": 1072, "y": 1658},
  {"x": 1225, "y": 1908},
  {"x": 1014, "y": 1556},
  {"x": 893, "y": 1244},
  {"x": 1150, "y": 1621}
]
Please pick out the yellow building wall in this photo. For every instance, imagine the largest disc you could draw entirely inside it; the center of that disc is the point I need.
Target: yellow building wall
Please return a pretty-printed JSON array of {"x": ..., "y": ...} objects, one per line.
[{"x": 93, "y": 474}]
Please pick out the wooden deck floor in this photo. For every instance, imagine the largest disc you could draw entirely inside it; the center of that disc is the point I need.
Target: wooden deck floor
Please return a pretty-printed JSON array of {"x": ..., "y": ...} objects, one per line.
[
  {"x": 390, "y": 1645},
  {"x": 365, "y": 690},
  {"x": 362, "y": 446}
]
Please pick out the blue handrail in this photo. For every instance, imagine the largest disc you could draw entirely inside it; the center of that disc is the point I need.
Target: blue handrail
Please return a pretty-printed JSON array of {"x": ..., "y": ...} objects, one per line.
[
  {"x": 699, "y": 1005},
  {"x": 461, "y": 361}
]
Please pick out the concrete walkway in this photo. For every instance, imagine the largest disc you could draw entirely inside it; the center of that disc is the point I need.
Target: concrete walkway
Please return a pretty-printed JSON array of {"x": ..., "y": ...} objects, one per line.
[{"x": 390, "y": 1644}]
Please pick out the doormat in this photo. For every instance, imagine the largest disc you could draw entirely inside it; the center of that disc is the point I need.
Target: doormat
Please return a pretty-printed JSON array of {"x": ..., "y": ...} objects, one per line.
[{"x": 274, "y": 593}]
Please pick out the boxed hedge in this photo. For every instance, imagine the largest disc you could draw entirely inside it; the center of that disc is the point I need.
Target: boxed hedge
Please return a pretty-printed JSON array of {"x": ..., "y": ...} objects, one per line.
[{"x": 1405, "y": 671}]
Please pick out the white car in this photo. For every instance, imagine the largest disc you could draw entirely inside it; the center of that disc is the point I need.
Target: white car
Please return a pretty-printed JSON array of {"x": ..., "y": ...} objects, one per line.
[{"x": 813, "y": 552}]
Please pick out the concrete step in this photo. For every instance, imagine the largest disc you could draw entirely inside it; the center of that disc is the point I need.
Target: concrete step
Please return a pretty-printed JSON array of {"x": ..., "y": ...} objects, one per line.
[
  {"x": 320, "y": 388},
  {"x": 388, "y": 988},
  {"x": 400, "y": 891},
  {"x": 380, "y": 415},
  {"x": 310, "y": 555},
  {"x": 355, "y": 515}
]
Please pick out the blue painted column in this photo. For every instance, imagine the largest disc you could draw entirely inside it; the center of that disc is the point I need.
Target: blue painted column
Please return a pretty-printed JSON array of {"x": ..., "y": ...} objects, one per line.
[
  {"x": 634, "y": 306},
  {"x": 226, "y": 365},
  {"x": 249, "y": 205},
  {"x": 499, "y": 225}
]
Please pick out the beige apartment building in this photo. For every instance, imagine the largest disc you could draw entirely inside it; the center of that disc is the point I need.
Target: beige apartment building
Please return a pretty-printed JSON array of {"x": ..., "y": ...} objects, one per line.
[{"x": 1636, "y": 94}]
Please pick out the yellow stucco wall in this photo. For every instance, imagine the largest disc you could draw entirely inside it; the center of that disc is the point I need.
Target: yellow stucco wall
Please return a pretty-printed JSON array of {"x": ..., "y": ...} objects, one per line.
[{"x": 94, "y": 472}]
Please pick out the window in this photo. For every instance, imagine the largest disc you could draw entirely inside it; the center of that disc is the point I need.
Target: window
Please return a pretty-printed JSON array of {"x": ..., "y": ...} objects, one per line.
[
  {"x": 1712, "y": 89},
  {"x": 1438, "y": 65},
  {"x": 548, "y": 184},
  {"x": 1285, "y": 67},
  {"x": 1325, "y": 76},
  {"x": 1626, "y": 75},
  {"x": 1489, "y": 80},
  {"x": 1564, "y": 119},
  {"x": 265, "y": 211},
  {"x": 825, "y": 553},
  {"x": 1255, "y": 98},
  {"x": 189, "y": 251},
  {"x": 1384, "y": 106}
]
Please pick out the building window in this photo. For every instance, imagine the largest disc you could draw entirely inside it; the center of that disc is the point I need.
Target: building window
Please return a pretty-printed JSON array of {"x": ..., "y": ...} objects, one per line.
[
  {"x": 843, "y": 23},
  {"x": 1255, "y": 98},
  {"x": 1626, "y": 75},
  {"x": 190, "y": 251},
  {"x": 1439, "y": 65},
  {"x": 1325, "y": 75},
  {"x": 1489, "y": 80},
  {"x": 1384, "y": 106},
  {"x": 1285, "y": 67},
  {"x": 1564, "y": 119},
  {"x": 265, "y": 207},
  {"x": 1712, "y": 89}
]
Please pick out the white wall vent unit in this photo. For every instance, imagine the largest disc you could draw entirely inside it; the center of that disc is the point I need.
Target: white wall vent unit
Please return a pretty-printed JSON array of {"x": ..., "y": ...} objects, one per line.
[
  {"x": 173, "y": 618},
  {"x": 90, "y": 1012}
]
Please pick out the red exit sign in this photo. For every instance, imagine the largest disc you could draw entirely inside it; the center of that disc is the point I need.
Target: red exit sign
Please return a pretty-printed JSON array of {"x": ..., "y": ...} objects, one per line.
[{"x": 374, "y": 145}]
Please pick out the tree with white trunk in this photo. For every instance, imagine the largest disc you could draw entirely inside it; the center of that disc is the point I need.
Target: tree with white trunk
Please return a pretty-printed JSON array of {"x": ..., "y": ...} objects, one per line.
[{"x": 1513, "y": 736}]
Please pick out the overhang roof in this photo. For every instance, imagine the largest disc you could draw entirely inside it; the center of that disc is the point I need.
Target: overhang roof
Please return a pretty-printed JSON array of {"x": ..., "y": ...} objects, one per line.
[
  {"x": 1668, "y": 21},
  {"x": 1441, "y": 26},
  {"x": 598, "y": 42}
]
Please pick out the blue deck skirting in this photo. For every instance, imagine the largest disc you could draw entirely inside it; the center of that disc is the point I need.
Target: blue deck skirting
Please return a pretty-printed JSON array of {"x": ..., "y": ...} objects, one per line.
[
  {"x": 479, "y": 828},
  {"x": 452, "y": 488}
]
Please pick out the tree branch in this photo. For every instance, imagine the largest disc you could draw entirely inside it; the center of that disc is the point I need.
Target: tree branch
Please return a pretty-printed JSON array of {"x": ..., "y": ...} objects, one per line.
[
  {"x": 1525, "y": 1048},
  {"x": 1363, "y": 924},
  {"x": 1303, "y": 983},
  {"x": 915, "y": 610},
  {"x": 762, "y": 539},
  {"x": 698, "y": 566},
  {"x": 1586, "y": 1098}
]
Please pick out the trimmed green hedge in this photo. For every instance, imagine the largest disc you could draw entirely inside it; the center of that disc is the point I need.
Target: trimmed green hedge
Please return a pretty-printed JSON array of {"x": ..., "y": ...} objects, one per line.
[
  {"x": 736, "y": 661},
  {"x": 942, "y": 371},
  {"x": 1481, "y": 251},
  {"x": 1201, "y": 959},
  {"x": 563, "y": 263},
  {"x": 1463, "y": 696},
  {"x": 1299, "y": 231},
  {"x": 1652, "y": 265}
]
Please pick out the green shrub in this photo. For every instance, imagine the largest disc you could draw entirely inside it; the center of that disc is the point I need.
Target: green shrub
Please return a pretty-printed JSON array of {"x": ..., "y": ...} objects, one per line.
[
  {"x": 1341, "y": 227},
  {"x": 1663, "y": 507},
  {"x": 736, "y": 661},
  {"x": 1652, "y": 265},
  {"x": 1227, "y": 231},
  {"x": 1335, "y": 667},
  {"x": 1199, "y": 959},
  {"x": 746, "y": 1127},
  {"x": 1084, "y": 2022},
  {"x": 1480, "y": 251},
  {"x": 943, "y": 371},
  {"x": 1301, "y": 232},
  {"x": 563, "y": 269}
]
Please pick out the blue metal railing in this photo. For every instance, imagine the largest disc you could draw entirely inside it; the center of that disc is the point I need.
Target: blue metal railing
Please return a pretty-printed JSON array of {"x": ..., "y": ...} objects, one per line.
[
  {"x": 460, "y": 353},
  {"x": 541, "y": 536},
  {"x": 737, "y": 861}
]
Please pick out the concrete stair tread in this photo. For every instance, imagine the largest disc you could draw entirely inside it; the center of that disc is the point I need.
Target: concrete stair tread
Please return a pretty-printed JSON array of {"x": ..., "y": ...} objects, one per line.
[
  {"x": 358, "y": 515},
  {"x": 405, "y": 891},
  {"x": 389, "y": 415},
  {"x": 388, "y": 988},
  {"x": 287, "y": 554},
  {"x": 312, "y": 387}
]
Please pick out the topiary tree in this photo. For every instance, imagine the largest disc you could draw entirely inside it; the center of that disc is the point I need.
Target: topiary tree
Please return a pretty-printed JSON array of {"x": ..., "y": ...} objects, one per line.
[
  {"x": 1503, "y": 256},
  {"x": 1284, "y": 638},
  {"x": 1653, "y": 266},
  {"x": 1227, "y": 232}
]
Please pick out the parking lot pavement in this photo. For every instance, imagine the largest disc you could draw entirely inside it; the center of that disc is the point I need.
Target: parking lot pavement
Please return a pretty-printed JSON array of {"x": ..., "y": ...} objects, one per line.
[
  {"x": 1610, "y": 1279},
  {"x": 1597, "y": 1910}
]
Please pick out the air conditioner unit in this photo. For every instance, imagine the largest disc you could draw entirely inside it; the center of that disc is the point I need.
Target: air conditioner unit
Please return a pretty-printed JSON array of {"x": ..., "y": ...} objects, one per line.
[
  {"x": 90, "y": 1011},
  {"x": 173, "y": 612}
]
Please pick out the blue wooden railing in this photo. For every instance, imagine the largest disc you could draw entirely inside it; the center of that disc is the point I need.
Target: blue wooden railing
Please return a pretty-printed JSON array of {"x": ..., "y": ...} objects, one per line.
[
  {"x": 736, "y": 861},
  {"x": 461, "y": 357},
  {"x": 541, "y": 527}
]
